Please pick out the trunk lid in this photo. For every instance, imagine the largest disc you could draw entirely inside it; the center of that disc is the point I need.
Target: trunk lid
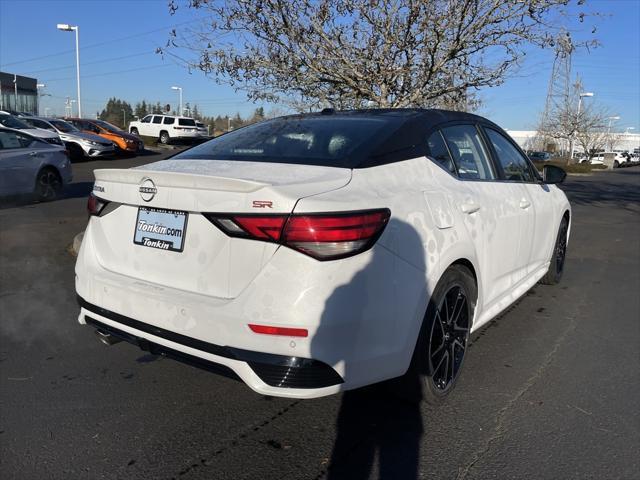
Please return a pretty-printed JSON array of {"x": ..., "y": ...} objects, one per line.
[{"x": 210, "y": 263}]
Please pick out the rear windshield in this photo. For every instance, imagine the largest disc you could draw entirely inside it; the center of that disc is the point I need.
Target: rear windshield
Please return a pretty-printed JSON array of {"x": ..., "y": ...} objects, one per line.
[
  {"x": 327, "y": 141},
  {"x": 187, "y": 122}
]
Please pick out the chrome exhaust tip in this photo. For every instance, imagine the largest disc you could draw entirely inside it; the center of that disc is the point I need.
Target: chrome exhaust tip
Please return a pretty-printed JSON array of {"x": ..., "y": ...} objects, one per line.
[{"x": 106, "y": 338}]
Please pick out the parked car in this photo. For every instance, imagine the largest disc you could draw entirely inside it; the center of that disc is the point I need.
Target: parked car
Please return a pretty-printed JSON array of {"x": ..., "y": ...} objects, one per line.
[
  {"x": 540, "y": 156},
  {"x": 316, "y": 253},
  {"x": 166, "y": 128},
  {"x": 202, "y": 129},
  {"x": 598, "y": 159},
  {"x": 78, "y": 143},
  {"x": 123, "y": 141},
  {"x": 10, "y": 121},
  {"x": 28, "y": 164}
]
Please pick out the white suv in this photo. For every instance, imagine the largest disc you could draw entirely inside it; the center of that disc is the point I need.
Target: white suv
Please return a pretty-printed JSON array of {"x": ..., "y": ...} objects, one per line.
[{"x": 166, "y": 128}]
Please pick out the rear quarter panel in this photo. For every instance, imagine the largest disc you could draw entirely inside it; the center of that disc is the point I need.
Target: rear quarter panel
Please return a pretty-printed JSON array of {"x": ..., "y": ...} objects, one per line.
[{"x": 423, "y": 242}]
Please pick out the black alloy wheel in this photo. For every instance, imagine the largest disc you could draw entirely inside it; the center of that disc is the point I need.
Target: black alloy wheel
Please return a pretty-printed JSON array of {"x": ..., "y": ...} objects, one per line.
[
  {"x": 448, "y": 338},
  {"x": 443, "y": 340},
  {"x": 48, "y": 185},
  {"x": 556, "y": 265}
]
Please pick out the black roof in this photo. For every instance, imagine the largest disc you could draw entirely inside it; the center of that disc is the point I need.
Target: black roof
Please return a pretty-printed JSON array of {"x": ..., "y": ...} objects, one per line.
[
  {"x": 429, "y": 115},
  {"x": 408, "y": 139}
]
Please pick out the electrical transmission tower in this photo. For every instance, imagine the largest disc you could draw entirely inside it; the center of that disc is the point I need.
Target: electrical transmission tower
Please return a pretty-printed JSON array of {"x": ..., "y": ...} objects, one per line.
[{"x": 559, "y": 88}]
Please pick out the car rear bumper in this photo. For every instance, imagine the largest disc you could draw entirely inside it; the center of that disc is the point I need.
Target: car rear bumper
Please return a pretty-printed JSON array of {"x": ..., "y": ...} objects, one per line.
[{"x": 279, "y": 371}]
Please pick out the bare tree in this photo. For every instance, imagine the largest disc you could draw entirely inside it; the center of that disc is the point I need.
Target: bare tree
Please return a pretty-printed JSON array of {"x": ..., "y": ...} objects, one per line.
[
  {"x": 573, "y": 120},
  {"x": 356, "y": 53},
  {"x": 592, "y": 141}
]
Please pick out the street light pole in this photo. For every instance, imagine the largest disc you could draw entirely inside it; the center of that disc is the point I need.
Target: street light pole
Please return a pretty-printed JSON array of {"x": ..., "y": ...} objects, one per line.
[
  {"x": 70, "y": 28},
  {"x": 609, "y": 127},
  {"x": 124, "y": 119},
  {"x": 180, "y": 91},
  {"x": 573, "y": 135},
  {"x": 38, "y": 87}
]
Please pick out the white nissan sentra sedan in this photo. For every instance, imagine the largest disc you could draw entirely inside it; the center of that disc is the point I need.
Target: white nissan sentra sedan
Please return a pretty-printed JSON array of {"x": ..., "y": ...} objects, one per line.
[{"x": 316, "y": 253}]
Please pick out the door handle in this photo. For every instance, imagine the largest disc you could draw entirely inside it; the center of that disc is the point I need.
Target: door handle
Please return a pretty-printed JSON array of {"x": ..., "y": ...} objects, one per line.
[
  {"x": 469, "y": 207},
  {"x": 34, "y": 154},
  {"x": 524, "y": 204}
]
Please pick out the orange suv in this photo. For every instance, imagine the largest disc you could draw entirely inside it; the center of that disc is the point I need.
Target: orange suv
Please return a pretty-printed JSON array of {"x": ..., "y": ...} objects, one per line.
[{"x": 124, "y": 142}]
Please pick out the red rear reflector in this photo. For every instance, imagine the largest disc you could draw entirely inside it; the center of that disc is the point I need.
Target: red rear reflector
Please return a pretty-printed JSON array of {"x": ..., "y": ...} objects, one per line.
[{"x": 284, "y": 331}]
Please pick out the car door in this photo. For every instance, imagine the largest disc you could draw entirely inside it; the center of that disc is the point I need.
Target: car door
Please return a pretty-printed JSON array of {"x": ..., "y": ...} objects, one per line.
[
  {"x": 18, "y": 163},
  {"x": 492, "y": 210},
  {"x": 540, "y": 226},
  {"x": 144, "y": 128},
  {"x": 155, "y": 126}
]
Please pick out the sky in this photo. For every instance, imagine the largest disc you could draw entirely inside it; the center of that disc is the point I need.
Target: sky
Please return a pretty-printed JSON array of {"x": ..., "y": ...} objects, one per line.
[{"x": 118, "y": 39}]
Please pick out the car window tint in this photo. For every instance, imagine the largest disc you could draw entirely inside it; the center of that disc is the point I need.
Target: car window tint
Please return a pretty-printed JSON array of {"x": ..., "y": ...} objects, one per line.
[
  {"x": 513, "y": 164},
  {"x": 146, "y": 119},
  {"x": 439, "y": 152},
  {"x": 14, "y": 140},
  {"x": 157, "y": 119},
  {"x": 43, "y": 125},
  {"x": 9, "y": 140},
  {"x": 468, "y": 152},
  {"x": 322, "y": 140},
  {"x": 187, "y": 122},
  {"x": 169, "y": 120}
]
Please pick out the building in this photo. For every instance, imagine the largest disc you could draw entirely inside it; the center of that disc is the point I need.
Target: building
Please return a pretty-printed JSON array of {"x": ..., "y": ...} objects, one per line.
[
  {"x": 18, "y": 93},
  {"x": 527, "y": 141}
]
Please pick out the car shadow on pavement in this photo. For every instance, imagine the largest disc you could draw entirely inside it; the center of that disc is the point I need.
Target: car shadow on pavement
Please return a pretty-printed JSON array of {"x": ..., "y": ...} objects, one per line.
[
  {"x": 604, "y": 193},
  {"x": 378, "y": 433},
  {"x": 72, "y": 190}
]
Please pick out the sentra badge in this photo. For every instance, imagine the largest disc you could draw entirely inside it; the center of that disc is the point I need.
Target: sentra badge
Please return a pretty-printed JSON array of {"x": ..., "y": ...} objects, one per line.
[{"x": 147, "y": 189}]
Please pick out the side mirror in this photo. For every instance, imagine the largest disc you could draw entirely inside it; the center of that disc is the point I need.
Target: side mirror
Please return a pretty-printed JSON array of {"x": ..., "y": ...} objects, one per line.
[{"x": 552, "y": 174}]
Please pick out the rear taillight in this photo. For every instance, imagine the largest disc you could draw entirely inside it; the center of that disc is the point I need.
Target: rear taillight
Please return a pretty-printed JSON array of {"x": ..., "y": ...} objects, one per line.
[
  {"x": 95, "y": 205},
  {"x": 326, "y": 236}
]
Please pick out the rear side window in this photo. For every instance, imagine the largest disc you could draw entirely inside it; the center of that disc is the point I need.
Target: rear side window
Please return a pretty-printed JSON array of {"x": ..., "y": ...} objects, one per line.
[
  {"x": 43, "y": 125},
  {"x": 439, "y": 152},
  {"x": 319, "y": 140},
  {"x": 187, "y": 122},
  {"x": 157, "y": 119},
  {"x": 10, "y": 140},
  {"x": 169, "y": 120},
  {"x": 468, "y": 153},
  {"x": 514, "y": 165}
]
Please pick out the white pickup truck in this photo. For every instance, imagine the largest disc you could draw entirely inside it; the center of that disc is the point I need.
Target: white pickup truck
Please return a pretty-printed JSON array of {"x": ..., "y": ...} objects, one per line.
[{"x": 167, "y": 128}]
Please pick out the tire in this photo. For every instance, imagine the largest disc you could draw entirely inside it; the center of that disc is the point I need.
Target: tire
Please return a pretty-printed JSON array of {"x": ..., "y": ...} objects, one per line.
[
  {"x": 556, "y": 266},
  {"x": 616, "y": 164},
  {"x": 164, "y": 138},
  {"x": 443, "y": 340},
  {"x": 48, "y": 185},
  {"x": 134, "y": 131}
]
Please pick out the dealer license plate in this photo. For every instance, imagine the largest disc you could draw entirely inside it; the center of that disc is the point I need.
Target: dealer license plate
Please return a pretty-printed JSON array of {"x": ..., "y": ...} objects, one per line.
[{"x": 159, "y": 228}]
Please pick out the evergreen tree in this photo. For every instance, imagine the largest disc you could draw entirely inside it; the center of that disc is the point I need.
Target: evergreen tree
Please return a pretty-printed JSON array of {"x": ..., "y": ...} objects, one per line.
[{"x": 117, "y": 112}]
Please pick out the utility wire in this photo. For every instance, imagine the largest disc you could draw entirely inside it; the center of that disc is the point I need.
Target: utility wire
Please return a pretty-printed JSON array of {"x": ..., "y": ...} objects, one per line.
[
  {"x": 104, "y": 60},
  {"x": 99, "y": 44}
]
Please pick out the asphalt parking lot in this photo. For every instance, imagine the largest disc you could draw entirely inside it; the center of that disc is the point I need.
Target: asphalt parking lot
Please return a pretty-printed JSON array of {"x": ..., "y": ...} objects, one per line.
[{"x": 550, "y": 389}]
